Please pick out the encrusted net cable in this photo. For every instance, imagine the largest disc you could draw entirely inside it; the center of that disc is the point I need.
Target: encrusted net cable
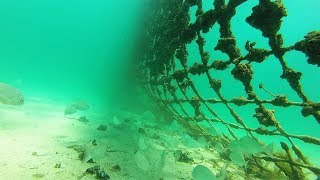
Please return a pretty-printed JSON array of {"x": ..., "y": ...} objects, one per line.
[{"x": 169, "y": 33}]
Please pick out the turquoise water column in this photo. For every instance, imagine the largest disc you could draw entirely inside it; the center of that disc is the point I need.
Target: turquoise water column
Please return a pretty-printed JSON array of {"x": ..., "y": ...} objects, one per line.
[{"x": 66, "y": 49}]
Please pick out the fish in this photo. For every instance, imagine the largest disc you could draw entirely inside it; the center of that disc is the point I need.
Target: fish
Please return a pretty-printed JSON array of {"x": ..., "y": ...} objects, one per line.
[
  {"x": 80, "y": 105},
  {"x": 248, "y": 145},
  {"x": 10, "y": 95},
  {"x": 70, "y": 110},
  {"x": 201, "y": 172},
  {"x": 237, "y": 158},
  {"x": 142, "y": 161},
  {"x": 76, "y": 106}
]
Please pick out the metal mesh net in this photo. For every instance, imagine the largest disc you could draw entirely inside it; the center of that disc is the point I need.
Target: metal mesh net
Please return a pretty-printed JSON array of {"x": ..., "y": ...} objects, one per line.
[{"x": 170, "y": 76}]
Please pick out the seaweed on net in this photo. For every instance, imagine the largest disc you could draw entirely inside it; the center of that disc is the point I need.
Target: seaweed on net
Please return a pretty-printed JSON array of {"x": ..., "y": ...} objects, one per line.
[{"x": 167, "y": 35}]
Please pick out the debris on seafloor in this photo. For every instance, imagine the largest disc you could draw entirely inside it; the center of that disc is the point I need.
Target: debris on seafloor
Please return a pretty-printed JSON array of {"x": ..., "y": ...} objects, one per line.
[
  {"x": 83, "y": 119},
  {"x": 102, "y": 127},
  {"x": 58, "y": 165},
  {"x": 116, "y": 168},
  {"x": 86, "y": 157},
  {"x": 141, "y": 131},
  {"x": 37, "y": 154},
  {"x": 85, "y": 154},
  {"x": 94, "y": 142},
  {"x": 98, "y": 172},
  {"x": 38, "y": 176},
  {"x": 182, "y": 157}
]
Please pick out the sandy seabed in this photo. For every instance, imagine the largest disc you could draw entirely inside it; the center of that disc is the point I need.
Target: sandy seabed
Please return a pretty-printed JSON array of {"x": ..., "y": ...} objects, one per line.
[{"x": 37, "y": 141}]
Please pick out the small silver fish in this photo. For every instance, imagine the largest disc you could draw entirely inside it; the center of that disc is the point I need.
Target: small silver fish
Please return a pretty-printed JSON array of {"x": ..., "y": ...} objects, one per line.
[
  {"x": 70, "y": 110},
  {"x": 10, "y": 95},
  {"x": 237, "y": 158},
  {"x": 75, "y": 106},
  {"x": 80, "y": 105},
  {"x": 248, "y": 145},
  {"x": 201, "y": 172}
]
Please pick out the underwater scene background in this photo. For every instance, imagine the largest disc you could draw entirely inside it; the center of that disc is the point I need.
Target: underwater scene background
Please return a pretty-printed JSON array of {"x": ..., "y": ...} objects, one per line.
[
  {"x": 111, "y": 89},
  {"x": 64, "y": 49}
]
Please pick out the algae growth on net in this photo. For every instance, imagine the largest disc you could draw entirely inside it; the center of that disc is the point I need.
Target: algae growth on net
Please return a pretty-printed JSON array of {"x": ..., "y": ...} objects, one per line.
[{"x": 237, "y": 67}]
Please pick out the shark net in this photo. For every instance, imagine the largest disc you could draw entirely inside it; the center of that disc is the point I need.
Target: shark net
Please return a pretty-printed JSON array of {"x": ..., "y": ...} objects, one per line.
[{"x": 180, "y": 70}]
